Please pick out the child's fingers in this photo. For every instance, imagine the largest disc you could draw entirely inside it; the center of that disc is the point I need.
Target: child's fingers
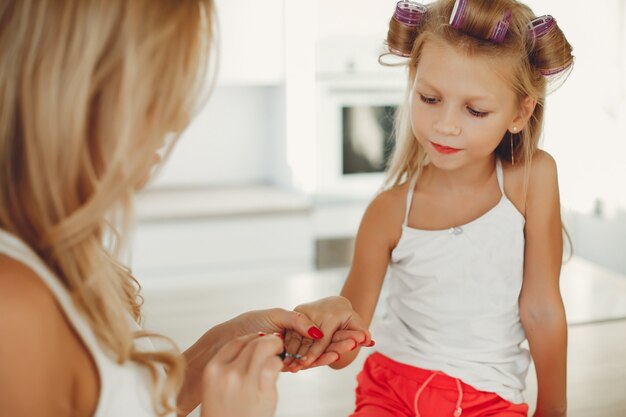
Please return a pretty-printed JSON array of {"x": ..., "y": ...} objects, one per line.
[
  {"x": 292, "y": 345},
  {"x": 304, "y": 352},
  {"x": 315, "y": 350},
  {"x": 343, "y": 341},
  {"x": 333, "y": 352},
  {"x": 358, "y": 336},
  {"x": 326, "y": 358},
  {"x": 286, "y": 342},
  {"x": 343, "y": 346}
]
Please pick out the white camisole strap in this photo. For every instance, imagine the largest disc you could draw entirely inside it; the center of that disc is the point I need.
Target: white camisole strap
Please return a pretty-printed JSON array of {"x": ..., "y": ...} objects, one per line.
[{"x": 409, "y": 199}]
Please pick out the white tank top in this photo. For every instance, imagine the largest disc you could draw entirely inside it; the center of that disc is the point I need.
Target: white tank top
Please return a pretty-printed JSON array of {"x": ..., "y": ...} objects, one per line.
[
  {"x": 124, "y": 389},
  {"x": 453, "y": 300}
]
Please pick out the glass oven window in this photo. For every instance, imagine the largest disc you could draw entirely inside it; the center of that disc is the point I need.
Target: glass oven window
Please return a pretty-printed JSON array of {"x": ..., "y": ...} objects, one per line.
[{"x": 367, "y": 138}]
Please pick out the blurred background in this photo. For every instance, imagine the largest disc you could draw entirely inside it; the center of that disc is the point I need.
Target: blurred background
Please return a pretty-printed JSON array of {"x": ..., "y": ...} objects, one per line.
[{"x": 259, "y": 204}]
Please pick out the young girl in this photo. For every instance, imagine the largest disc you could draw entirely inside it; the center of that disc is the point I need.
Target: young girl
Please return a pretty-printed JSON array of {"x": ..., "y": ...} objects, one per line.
[
  {"x": 88, "y": 91},
  {"x": 470, "y": 223}
]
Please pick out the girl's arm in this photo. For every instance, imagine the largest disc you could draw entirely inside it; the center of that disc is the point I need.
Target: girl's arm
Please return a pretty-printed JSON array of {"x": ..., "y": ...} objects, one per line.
[
  {"x": 339, "y": 316},
  {"x": 378, "y": 234},
  {"x": 541, "y": 307}
]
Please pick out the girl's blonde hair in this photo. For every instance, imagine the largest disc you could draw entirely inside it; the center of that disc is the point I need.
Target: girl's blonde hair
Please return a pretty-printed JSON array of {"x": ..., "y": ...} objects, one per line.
[
  {"x": 529, "y": 58},
  {"x": 88, "y": 91}
]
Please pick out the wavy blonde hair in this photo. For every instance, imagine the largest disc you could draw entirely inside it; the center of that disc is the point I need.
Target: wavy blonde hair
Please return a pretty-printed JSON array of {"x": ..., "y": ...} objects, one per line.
[
  {"x": 88, "y": 91},
  {"x": 528, "y": 58}
]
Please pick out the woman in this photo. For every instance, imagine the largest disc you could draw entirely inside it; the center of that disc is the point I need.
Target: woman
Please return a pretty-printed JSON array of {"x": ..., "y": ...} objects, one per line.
[{"x": 88, "y": 91}]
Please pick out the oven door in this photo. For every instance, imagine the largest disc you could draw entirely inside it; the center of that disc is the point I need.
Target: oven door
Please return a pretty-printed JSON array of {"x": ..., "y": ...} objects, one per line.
[{"x": 355, "y": 136}]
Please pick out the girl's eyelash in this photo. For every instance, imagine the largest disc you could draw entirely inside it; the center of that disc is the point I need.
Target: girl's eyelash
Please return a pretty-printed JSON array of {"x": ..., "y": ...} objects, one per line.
[
  {"x": 428, "y": 100},
  {"x": 475, "y": 113}
]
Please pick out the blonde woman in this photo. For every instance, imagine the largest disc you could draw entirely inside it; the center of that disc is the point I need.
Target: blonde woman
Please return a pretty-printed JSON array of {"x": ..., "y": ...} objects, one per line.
[{"x": 88, "y": 91}]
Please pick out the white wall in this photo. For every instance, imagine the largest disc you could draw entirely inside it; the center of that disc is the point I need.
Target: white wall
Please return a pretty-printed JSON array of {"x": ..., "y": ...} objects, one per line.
[{"x": 231, "y": 141}]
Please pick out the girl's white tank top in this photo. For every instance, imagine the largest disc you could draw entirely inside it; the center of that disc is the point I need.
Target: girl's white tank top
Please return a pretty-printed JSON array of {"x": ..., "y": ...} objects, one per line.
[
  {"x": 452, "y": 302},
  {"x": 124, "y": 389}
]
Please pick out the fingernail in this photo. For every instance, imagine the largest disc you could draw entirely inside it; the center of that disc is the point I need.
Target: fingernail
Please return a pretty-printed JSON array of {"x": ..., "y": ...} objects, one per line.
[
  {"x": 338, "y": 357},
  {"x": 278, "y": 334},
  {"x": 315, "y": 333},
  {"x": 371, "y": 343},
  {"x": 261, "y": 334},
  {"x": 355, "y": 345}
]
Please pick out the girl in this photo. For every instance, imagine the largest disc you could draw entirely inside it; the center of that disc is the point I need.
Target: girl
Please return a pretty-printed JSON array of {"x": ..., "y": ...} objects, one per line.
[
  {"x": 88, "y": 91},
  {"x": 469, "y": 225}
]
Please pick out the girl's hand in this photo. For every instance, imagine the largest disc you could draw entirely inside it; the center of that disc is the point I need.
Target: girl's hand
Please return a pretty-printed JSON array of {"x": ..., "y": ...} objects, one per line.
[
  {"x": 342, "y": 328},
  {"x": 240, "y": 380}
]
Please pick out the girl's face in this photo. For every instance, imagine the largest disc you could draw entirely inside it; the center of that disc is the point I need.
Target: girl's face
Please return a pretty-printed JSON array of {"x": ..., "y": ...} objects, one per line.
[{"x": 460, "y": 106}]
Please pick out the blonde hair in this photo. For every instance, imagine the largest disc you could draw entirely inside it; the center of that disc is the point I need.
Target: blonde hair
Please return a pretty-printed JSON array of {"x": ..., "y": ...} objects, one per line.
[
  {"x": 88, "y": 90},
  {"x": 528, "y": 57}
]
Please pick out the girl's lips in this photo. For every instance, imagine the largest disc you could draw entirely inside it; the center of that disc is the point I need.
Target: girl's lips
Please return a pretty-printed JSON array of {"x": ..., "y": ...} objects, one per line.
[{"x": 446, "y": 150}]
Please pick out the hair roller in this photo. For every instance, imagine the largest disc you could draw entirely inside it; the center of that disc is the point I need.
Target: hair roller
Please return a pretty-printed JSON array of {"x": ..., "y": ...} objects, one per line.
[
  {"x": 404, "y": 27},
  {"x": 485, "y": 20},
  {"x": 551, "y": 53}
]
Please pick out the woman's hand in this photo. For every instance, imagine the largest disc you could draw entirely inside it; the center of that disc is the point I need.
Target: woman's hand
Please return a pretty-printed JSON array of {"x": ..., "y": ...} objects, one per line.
[
  {"x": 275, "y": 320},
  {"x": 343, "y": 331},
  {"x": 240, "y": 380}
]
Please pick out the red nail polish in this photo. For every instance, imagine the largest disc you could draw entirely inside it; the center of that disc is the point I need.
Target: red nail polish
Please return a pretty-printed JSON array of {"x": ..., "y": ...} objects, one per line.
[
  {"x": 261, "y": 334},
  {"x": 371, "y": 343},
  {"x": 278, "y": 334},
  {"x": 315, "y": 333},
  {"x": 355, "y": 345}
]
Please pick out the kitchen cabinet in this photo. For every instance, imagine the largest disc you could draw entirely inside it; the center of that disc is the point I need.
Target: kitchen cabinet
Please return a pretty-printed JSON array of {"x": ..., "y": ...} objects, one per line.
[{"x": 221, "y": 234}]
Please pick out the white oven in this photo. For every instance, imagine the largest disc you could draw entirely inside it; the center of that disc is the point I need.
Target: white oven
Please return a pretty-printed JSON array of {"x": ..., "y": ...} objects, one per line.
[{"x": 355, "y": 128}]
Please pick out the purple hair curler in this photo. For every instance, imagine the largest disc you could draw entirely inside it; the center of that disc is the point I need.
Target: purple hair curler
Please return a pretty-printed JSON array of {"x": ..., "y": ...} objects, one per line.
[
  {"x": 499, "y": 32},
  {"x": 456, "y": 18},
  {"x": 541, "y": 25},
  {"x": 410, "y": 13},
  {"x": 501, "y": 29},
  {"x": 407, "y": 18}
]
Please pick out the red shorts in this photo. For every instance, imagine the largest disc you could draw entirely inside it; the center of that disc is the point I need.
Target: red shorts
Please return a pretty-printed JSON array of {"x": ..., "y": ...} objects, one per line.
[{"x": 391, "y": 389}]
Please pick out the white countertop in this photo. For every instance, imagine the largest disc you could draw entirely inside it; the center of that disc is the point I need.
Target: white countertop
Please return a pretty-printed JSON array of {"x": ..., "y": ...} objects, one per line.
[{"x": 167, "y": 204}]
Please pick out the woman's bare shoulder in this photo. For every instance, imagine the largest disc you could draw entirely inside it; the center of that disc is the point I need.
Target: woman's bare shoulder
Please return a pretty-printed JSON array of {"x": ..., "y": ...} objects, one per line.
[
  {"x": 23, "y": 292},
  {"x": 33, "y": 354}
]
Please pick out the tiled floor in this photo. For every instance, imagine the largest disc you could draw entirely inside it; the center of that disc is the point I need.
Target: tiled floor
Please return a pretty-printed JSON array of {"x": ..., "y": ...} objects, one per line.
[{"x": 595, "y": 301}]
